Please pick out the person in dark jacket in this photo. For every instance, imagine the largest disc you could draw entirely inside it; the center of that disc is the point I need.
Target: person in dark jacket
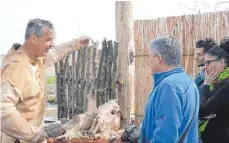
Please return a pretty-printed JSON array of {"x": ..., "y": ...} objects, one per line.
[
  {"x": 216, "y": 90},
  {"x": 202, "y": 46}
]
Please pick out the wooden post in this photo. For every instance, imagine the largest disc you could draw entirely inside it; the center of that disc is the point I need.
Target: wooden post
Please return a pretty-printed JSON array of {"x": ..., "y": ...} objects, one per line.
[
  {"x": 77, "y": 98},
  {"x": 88, "y": 77},
  {"x": 57, "y": 71},
  {"x": 108, "y": 70},
  {"x": 94, "y": 68},
  {"x": 82, "y": 74},
  {"x": 125, "y": 38},
  {"x": 65, "y": 87},
  {"x": 114, "y": 71},
  {"x": 73, "y": 103}
]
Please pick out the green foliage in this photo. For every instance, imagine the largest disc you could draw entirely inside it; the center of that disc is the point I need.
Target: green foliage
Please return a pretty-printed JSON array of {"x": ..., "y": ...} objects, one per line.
[
  {"x": 52, "y": 99},
  {"x": 51, "y": 80}
]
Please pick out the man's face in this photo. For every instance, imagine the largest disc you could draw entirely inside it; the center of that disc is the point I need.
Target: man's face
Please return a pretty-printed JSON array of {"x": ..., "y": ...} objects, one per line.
[
  {"x": 153, "y": 62},
  {"x": 44, "y": 43},
  {"x": 200, "y": 55}
]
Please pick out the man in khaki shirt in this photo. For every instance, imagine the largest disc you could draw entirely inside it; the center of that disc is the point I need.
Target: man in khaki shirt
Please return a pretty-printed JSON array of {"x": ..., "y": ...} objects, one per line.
[{"x": 23, "y": 98}]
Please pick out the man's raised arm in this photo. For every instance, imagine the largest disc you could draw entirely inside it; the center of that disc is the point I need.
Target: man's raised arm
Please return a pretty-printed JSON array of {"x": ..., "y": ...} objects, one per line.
[{"x": 62, "y": 50}]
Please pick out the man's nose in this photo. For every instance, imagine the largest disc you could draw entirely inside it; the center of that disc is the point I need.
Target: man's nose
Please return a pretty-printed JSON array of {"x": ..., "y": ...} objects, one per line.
[{"x": 52, "y": 45}]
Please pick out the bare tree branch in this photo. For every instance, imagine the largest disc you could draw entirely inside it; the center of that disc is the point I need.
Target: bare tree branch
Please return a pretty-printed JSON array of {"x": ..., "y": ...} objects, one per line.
[
  {"x": 188, "y": 8},
  {"x": 222, "y": 2}
]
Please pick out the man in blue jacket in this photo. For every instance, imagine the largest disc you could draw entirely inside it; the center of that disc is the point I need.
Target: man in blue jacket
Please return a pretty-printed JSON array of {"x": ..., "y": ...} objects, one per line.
[{"x": 171, "y": 112}]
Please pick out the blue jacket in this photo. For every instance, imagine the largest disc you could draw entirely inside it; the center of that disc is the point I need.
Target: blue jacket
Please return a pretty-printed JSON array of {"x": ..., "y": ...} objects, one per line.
[
  {"x": 199, "y": 82},
  {"x": 169, "y": 109},
  {"x": 200, "y": 79}
]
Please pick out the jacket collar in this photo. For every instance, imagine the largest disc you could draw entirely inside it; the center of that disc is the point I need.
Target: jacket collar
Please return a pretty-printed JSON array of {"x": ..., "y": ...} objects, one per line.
[
  {"x": 158, "y": 77},
  {"x": 17, "y": 48}
]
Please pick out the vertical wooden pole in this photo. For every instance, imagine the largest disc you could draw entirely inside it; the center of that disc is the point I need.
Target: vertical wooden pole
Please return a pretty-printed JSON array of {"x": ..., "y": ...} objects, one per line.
[
  {"x": 125, "y": 38},
  {"x": 57, "y": 71}
]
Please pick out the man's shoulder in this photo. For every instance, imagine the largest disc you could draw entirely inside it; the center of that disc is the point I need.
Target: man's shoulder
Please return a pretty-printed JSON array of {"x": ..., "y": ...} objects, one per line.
[
  {"x": 180, "y": 82},
  {"x": 15, "y": 61},
  {"x": 200, "y": 78},
  {"x": 177, "y": 78},
  {"x": 14, "y": 68},
  {"x": 15, "y": 56},
  {"x": 14, "y": 73}
]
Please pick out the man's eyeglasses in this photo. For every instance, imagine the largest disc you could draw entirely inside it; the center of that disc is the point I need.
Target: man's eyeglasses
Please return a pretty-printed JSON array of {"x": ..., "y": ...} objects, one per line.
[{"x": 208, "y": 62}]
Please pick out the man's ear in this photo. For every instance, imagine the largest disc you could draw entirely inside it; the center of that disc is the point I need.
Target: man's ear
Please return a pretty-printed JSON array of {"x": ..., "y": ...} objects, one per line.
[
  {"x": 33, "y": 38},
  {"x": 160, "y": 59}
]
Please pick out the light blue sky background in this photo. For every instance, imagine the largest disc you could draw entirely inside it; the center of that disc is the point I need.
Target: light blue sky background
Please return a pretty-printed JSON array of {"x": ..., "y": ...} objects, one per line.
[{"x": 91, "y": 17}]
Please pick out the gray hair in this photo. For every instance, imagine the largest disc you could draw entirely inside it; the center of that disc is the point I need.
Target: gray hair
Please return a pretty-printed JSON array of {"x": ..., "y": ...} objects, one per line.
[
  {"x": 37, "y": 26},
  {"x": 169, "y": 48}
]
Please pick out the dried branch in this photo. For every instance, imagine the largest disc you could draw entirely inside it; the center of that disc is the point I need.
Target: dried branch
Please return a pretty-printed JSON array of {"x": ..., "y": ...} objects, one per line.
[{"x": 188, "y": 8}]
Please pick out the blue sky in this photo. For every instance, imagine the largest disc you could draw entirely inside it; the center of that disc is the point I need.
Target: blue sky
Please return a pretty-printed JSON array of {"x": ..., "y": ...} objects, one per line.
[{"x": 72, "y": 18}]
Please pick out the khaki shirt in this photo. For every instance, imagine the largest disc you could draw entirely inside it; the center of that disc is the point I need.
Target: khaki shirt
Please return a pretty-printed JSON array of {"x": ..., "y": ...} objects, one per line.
[{"x": 23, "y": 97}]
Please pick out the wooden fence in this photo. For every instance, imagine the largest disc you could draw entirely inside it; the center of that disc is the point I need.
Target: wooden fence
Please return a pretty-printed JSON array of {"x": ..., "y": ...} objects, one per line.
[
  {"x": 90, "y": 71},
  {"x": 188, "y": 29}
]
